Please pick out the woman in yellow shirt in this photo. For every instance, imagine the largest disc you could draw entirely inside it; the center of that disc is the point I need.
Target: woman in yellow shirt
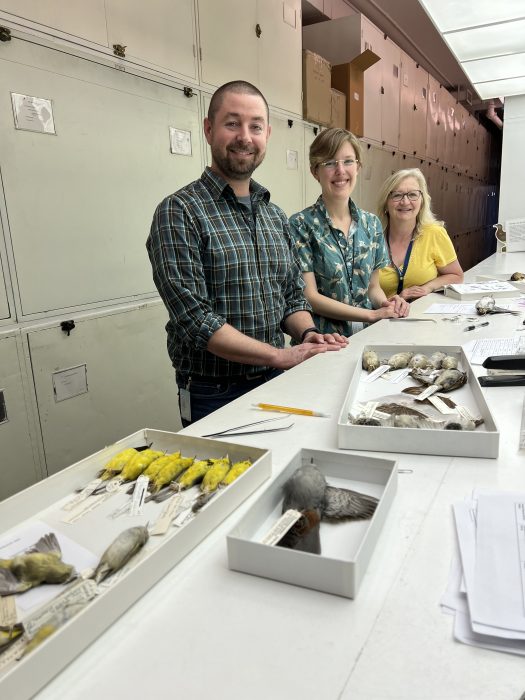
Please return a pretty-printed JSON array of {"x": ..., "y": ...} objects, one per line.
[{"x": 422, "y": 256}]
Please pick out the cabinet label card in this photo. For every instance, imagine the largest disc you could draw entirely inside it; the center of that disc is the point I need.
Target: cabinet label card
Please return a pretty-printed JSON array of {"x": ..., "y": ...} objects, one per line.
[
  {"x": 33, "y": 113},
  {"x": 180, "y": 142},
  {"x": 71, "y": 382}
]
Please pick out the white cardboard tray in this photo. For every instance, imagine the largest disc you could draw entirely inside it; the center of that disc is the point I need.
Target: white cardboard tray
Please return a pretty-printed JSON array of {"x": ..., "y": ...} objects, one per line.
[
  {"x": 519, "y": 284},
  {"x": 481, "y": 442},
  {"x": 477, "y": 290},
  {"x": 346, "y": 547},
  {"x": 42, "y": 502}
]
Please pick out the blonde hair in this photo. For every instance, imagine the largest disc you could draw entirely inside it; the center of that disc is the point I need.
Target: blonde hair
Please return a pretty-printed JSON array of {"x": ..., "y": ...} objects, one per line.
[
  {"x": 326, "y": 144},
  {"x": 391, "y": 184}
]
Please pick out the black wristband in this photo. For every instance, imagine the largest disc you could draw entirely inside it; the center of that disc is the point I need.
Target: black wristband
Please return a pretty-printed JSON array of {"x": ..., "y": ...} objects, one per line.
[{"x": 312, "y": 329}]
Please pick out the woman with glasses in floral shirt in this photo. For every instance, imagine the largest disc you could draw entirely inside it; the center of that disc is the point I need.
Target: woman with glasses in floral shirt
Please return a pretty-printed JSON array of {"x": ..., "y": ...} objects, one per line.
[
  {"x": 341, "y": 248},
  {"x": 422, "y": 256}
]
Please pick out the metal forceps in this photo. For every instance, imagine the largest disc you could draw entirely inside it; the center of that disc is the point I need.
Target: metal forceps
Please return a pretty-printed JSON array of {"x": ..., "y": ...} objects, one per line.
[{"x": 230, "y": 431}]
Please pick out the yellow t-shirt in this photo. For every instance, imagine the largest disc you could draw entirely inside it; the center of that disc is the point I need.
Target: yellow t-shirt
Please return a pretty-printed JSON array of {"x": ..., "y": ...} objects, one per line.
[{"x": 432, "y": 249}]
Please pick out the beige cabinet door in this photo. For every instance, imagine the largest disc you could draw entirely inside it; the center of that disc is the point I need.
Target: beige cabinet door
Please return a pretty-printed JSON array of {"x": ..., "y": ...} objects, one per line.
[
  {"x": 5, "y": 312},
  {"x": 391, "y": 64},
  {"x": 21, "y": 459},
  {"x": 312, "y": 188},
  {"x": 378, "y": 164},
  {"x": 94, "y": 185},
  {"x": 110, "y": 377},
  {"x": 159, "y": 33},
  {"x": 80, "y": 18},
  {"x": 228, "y": 41},
  {"x": 283, "y": 169},
  {"x": 407, "y": 104},
  {"x": 372, "y": 38},
  {"x": 432, "y": 122},
  {"x": 279, "y": 53}
]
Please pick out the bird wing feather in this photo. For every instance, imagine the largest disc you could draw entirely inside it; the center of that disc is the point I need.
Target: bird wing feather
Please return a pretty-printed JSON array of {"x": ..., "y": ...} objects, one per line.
[
  {"x": 46, "y": 544},
  {"x": 9, "y": 584},
  {"x": 341, "y": 504}
]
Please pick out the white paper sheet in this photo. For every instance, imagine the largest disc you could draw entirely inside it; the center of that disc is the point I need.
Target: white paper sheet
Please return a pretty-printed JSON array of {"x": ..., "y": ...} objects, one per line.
[
  {"x": 463, "y": 308},
  {"x": 477, "y": 351},
  {"x": 497, "y": 599},
  {"x": 463, "y": 632}
]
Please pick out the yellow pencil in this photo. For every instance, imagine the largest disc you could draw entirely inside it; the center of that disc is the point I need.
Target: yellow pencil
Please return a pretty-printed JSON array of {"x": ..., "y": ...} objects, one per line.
[{"x": 289, "y": 409}]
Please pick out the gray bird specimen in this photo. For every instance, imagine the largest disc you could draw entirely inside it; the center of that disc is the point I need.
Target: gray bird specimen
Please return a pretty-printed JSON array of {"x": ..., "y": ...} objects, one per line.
[
  {"x": 308, "y": 492},
  {"x": 120, "y": 551}
]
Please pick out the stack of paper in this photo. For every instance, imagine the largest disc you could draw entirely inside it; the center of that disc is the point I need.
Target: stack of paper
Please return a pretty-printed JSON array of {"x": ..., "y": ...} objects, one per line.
[{"x": 486, "y": 589}]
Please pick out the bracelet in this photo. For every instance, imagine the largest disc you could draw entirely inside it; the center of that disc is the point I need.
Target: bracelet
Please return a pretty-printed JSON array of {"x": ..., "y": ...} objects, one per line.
[{"x": 312, "y": 329}]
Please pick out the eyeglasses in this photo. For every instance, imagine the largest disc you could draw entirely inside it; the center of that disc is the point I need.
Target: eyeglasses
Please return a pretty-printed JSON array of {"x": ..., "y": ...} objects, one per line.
[
  {"x": 412, "y": 196},
  {"x": 332, "y": 164}
]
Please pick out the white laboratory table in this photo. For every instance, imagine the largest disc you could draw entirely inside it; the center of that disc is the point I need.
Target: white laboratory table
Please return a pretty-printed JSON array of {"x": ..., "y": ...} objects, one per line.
[{"x": 206, "y": 632}]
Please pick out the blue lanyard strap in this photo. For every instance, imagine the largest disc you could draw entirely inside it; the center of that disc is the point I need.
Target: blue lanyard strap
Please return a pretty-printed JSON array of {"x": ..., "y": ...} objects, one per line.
[{"x": 400, "y": 275}]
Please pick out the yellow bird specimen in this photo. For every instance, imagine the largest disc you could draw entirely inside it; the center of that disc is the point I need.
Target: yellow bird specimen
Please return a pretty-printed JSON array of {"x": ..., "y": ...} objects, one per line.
[
  {"x": 237, "y": 469},
  {"x": 194, "y": 474},
  {"x": 117, "y": 463},
  {"x": 136, "y": 465},
  {"x": 170, "y": 471},
  {"x": 216, "y": 473},
  {"x": 10, "y": 634},
  {"x": 154, "y": 468},
  {"x": 42, "y": 563}
]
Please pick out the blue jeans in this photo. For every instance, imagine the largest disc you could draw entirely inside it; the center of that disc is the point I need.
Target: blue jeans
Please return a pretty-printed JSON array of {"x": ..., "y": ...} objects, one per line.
[{"x": 207, "y": 395}]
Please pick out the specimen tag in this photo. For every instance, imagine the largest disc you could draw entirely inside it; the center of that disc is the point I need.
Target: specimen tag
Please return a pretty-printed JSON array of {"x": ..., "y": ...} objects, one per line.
[
  {"x": 8, "y": 614},
  {"x": 86, "y": 491},
  {"x": 376, "y": 373},
  {"x": 15, "y": 651},
  {"x": 465, "y": 413},
  {"x": 441, "y": 405},
  {"x": 427, "y": 392},
  {"x": 370, "y": 408},
  {"x": 169, "y": 512},
  {"x": 63, "y": 607},
  {"x": 281, "y": 527},
  {"x": 397, "y": 375},
  {"x": 139, "y": 494},
  {"x": 86, "y": 507}
]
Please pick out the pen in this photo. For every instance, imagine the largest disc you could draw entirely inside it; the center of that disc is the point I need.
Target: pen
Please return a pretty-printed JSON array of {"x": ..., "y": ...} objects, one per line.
[
  {"x": 288, "y": 409},
  {"x": 478, "y": 325}
]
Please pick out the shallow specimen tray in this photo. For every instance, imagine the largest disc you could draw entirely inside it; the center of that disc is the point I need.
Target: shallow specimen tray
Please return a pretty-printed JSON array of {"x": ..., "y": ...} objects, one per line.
[
  {"x": 346, "y": 546},
  {"x": 481, "y": 442},
  {"x": 43, "y": 501},
  {"x": 519, "y": 284}
]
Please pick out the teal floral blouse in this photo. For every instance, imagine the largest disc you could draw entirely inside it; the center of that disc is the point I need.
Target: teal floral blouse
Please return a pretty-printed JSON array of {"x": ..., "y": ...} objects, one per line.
[{"x": 342, "y": 266}]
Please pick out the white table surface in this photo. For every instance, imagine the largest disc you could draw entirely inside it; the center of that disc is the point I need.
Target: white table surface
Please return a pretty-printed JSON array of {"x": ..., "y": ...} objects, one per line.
[{"x": 207, "y": 632}]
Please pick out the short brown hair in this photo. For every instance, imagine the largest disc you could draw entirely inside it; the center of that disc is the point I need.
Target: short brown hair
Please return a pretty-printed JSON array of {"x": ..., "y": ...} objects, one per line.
[
  {"x": 240, "y": 87},
  {"x": 326, "y": 144}
]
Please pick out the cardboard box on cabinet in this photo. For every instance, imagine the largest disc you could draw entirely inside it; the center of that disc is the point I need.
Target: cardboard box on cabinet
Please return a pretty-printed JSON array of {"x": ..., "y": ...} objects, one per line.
[
  {"x": 338, "y": 109},
  {"x": 349, "y": 78},
  {"x": 316, "y": 88}
]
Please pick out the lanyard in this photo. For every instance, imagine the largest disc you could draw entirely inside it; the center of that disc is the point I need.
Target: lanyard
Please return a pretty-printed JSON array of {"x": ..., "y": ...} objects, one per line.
[{"x": 401, "y": 275}]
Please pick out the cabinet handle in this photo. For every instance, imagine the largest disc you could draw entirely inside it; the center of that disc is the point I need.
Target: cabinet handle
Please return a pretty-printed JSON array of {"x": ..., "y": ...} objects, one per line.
[
  {"x": 5, "y": 34},
  {"x": 258, "y": 30},
  {"x": 119, "y": 50}
]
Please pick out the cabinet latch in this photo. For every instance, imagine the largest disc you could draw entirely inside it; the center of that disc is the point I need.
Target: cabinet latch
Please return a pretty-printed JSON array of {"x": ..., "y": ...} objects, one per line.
[
  {"x": 119, "y": 50},
  {"x": 258, "y": 30},
  {"x": 188, "y": 92},
  {"x": 5, "y": 34},
  {"x": 67, "y": 326}
]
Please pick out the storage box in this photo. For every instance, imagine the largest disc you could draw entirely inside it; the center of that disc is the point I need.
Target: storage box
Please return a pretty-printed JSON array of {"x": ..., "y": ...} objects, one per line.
[
  {"x": 349, "y": 78},
  {"x": 346, "y": 547},
  {"x": 338, "y": 109},
  {"x": 481, "y": 442},
  {"x": 96, "y": 531},
  {"x": 316, "y": 88},
  {"x": 499, "y": 289}
]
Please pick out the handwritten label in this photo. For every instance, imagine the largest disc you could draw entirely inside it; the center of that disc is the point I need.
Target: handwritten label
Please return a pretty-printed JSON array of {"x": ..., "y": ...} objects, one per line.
[
  {"x": 86, "y": 491},
  {"x": 281, "y": 527},
  {"x": 8, "y": 615},
  {"x": 170, "y": 511}
]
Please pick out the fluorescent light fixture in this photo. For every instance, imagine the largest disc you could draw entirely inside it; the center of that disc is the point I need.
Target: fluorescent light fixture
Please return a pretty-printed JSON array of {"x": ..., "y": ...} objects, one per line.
[
  {"x": 497, "y": 68},
  {"x": 494, "y": 40},
  {"x": 448, "y": 15},
  {"x": 495, "y": 88}
]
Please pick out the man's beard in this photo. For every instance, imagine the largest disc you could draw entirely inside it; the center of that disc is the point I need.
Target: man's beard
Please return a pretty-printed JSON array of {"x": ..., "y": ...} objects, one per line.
[{"x": 232, "y": 167}]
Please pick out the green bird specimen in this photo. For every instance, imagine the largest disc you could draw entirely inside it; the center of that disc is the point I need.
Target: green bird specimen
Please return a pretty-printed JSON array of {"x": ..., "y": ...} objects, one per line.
[{"x": 42, "y": 563}]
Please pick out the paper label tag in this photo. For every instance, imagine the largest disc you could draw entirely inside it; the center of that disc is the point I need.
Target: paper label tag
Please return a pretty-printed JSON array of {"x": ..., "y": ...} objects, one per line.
[
  {"x": 376, "y": 373},
  {"x": 182, "y": 517},
  {"x": 427, "y": 392},
  {"x": 15, "y": 651},
  {"x": 441, "y": 405},
  {"x": 63, "y": 607},
  {"x": 86, "y": 507},
  {"x": 397, "y": 375},
  {"x": 464, "y": 412},
  {"x": 281, "y": 527},
  {"x": 369, "y": 409},
  {"x": 8, "y": 615},
  {"x": 170, "y": 511},
  {"x": 139, "y": 494},
  {"x": 86, "y": 491}
]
